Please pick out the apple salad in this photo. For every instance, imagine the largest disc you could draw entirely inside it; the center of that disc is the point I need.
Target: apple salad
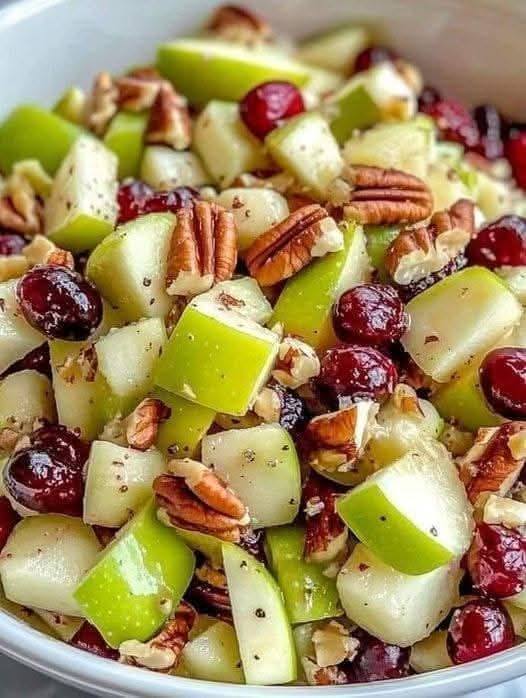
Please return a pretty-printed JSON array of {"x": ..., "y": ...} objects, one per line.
[{"x": 263, "y": 364}]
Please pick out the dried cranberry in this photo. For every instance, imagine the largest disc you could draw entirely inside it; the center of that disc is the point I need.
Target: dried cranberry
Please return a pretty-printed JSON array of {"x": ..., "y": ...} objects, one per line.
[
  {"x": 293, "y": 412},
  {"x": 499, "y": 243},
  {"x": 480, "y": 628},
  {"x": 371, "y": 56},
  {"x": 429, "y": 96},
  {"x": 89, "y": 639},
  {"x": 36, "y": 360},
  {"x": 267, "y": 105},
  {"x": 210, "y": 599},
  {"x": 8, "y": 520},
  {"x": 11, "y": 243},
  {"x": 370, "y": 314},
  {"x": 47, "y": 475},
  {"x": 515, "y": 151},
  {"x": 81, "y": 260},
  {"x": 59, "y": 302},
  {"x": 497, "y": 560},
  {"x": 411, "y": 290},
  {"x": 491, "y": 127},
  {"x": 377, "y": 661},
  {"x": 454, "y": 122},
  {"x": 136, "y": 198},
  {"x": 252, "y": 540},
  {"x": 503, "y": 381},
  {"x": 351, "y": 372}
]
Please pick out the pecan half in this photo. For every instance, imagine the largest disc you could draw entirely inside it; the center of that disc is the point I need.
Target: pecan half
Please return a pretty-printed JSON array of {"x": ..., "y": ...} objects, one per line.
[
  {"x": 493, "y": 463},
  {"x": 325, "y": 532},
  {"x": 378, "y": 196},
  {"x": 237, "y": 24},
  {"x": 296, "y": 364},
  {"x": 290, "y": 245},
  {"x": 142, "y": 425},
  {"x": 169, "y": 123},
  {"x": 162, "y": 653},
  {"x": 102, "y": 103},
  {"x": 203, "y": 249}
]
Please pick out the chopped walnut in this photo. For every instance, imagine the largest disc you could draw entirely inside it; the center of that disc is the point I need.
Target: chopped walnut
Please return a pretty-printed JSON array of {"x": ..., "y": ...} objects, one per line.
[
  {"x": 296, "y": 364},
  {"x": 21, "y": 208},
  {"x": 504, "y": 511},
  {"x": 325, "y": 533},
  {"x": 137, "y": 92},
  {"x": 102, "y": 104},
  {"x": 142, "y": 425},
  {"x": 80, "y": 367},
  {"x": 239, "y": 25},
  {"x": 169, "y": 123},
  {"x": 333, "y": 644},
  {"x": 323, "y": 676},
  {"x": 406, "y": 400},
  {"x": 42, "y": 250},
  {"x": 268, "y": 405}
]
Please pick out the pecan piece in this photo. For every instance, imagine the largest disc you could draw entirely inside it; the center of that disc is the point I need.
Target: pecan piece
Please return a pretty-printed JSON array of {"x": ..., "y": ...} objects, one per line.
[
  {"x": 494, "y": 462},
  {"x": 102, "y": 104},
  {"x": 378, "y": 196},
  {"x": 239, "y": 25},
  {"x": 203, "y": 249},
  {"x": 137, "y": 91},
  {"x": 209, "y": 592},
  {"x": 323, "y": 676},
  {"x": 21, "y": 207},
  {"x": 333, "y": 644},
  {"x": 80, "y": 367},
  {"x": 296, "y": 364},
  {"x": 162, "y": 653},
  {"x": 169, "y": 122},
  {"x": 325, "y": 532},
  {"x": 289, "y": 246},
  {"x": 42, "y": 250},
  {"x": 142, "y": 425}
]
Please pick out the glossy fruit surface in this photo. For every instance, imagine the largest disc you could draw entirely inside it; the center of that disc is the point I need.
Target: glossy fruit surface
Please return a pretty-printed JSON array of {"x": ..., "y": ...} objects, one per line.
[
  {"x": 8, "y": 520},
  {"x": 11, "y": 243},
  {"x": 36, "y": 360},
  {"x": 59, "y": 302},
  {"x": 370, "y": 314},
  {"x": 47, "y": 476},
  {"x": 491, "y": 127},
  {"x": 266, "y": 106},
  {"x": 454, "y": 122},
  {"x": 378, "y": 661},
  {"x": 136, "y": 198},
  {"x": 515, "y": 151},
  {"x": 503, "y": 381},
  {"x": 499, "y": 243},
  {"x": 293, "y": 411},
  {"x": 479, "y": 628},
  {"x": 496, "y": 560},
  {"x": 89, "y": 639},
  {"x": 371, "y": 56}
]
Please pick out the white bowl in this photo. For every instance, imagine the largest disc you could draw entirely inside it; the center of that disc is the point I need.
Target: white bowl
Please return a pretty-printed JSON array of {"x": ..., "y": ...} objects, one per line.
[{"x": 470, "y": 49}]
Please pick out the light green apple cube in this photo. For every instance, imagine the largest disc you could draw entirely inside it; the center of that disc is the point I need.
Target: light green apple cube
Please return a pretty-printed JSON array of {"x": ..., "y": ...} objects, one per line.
[
  {"x": 457, "y": 319},
  {"x": 212, "y": 654},
  {"x": 139, "y": 250},
  {"x": 202, "y": 359},
  {"x": 446, "y": 185},
  {"x": 225, "y": 145},
  {"x": 305, "y": 304},
  {"x": 245, "y": 295},
  {"x": 82, "y": 209},
  {"x": 137, "y": 582},
  {"x": 125, "y": 138},
  {"x": 414, "y": 514},
  {"x": 225, "y": 71},
  {"x": 379, "y": 238},
  {"x": 164, "y": 168},
  {"x": 26, "y": 396},
  {"x": 180, "y": 435},
  {"x": 305, "y": 147},
  {"x": 335, "y": 49},
  {"x": 17, "y": 337},
  {"x": 263, "y": 630},
  {"x": 71, "y": 105},
  {"x": 398, "y": 608},
  {"x": 430, "y": 654},
  {"x": 262, "y": 467}
]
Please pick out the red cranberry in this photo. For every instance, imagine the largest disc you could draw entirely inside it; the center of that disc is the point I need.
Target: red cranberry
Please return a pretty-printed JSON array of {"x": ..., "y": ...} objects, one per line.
[
  {"x": 11, "y": 243},
  {"x": 480, "y": 628},
  {"x": 515, "y": 151},
  {"x": 497, "y": 560},
  {"x": 454, "y": 122},
  {"x": 351, "y": 372},
  {"x": 89, "y": 639},
  {"x": 371, "y": 56},
  {"x": 503, "y": 381},
  {"x": 8, "y": 520},
  {"x": 370, "y": 314},
  {"x": 136, "y": 198},
  {"x": 413, "y": 289},
  {"x": 500, "y": 243},
  {"x": 377, "y": 661},
  {"x": 293, "y": 413},
  {"x": 267, "y": 105},
  {"x": 59, "y": 302},
  {"x": 47, "y": 475},
  {"x": 491, "y": 129},
  {"x": 210, "y": 599},
  {"x": 37, "y": 360},
  {"x": 428, "y": 97}
]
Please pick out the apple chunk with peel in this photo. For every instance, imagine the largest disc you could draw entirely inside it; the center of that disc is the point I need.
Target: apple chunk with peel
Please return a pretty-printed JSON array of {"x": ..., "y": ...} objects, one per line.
[
  {"x": 212, "y": 654},
  {"x": 225, "y": 71},
  {"x": 124, "y": 137},
  {"x": 81, "y": 209},
  {"x": 137, "y": 582},
  {"x": 309, "y": 594},
  {"x": 305, "y": 304},
  {"x": 118, "y": 482},
  {"x": 457, "y": 319},
  {"x": 139, "y": 250},
  {"x": 17, "y": 337},
  {"x": 414, "y": 514},
  {"x": 398, "y": 608},
  {"x": 245, "y": 296},
  {"x": 180, "y": 435},
  {"x": 164, "y": 168},
  {"x": 44, "y": 559},
  {"x": 262, "y": 467},
  {"x": 335, "y": 49},
  {"x": 26, "y": 396},
  {"x": 260, "y": 619},
  {"x": 201, "y": 361}
]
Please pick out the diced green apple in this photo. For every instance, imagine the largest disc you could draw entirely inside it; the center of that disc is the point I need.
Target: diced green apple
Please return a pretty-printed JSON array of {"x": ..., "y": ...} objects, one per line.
[
  {"x": 32, "y": 132},
  {"x": 118, "y": 482},
  {"x": 137, "y": 582},
  {"x": 245, "y": 295},
  {"x": 208, "y": 545},
  {"x": 17, "y": 337},
  {"x": 335, "y": 49},
  {"x": 262, "y": 467},
  {"x": 430, "y": 654},
  {"x": 379, "y": 238},
  {"x": 26, "y": 396},
  {"x": 494, "y": 196},
  {"x": 225, "y": 71},
  {"x": 213, "y": 654},
  {"x": 305, "y": 147},
  {"x": 265, "y": 638},
  {"x": 305, "y": 304},
  {"x": 81, "y": 209},
  {"x": 164, "y": 168},
  {"x": 225, "y": 145},
  {"x": 71, "y": 105},
  {"x": 446, "y": 185},
  {"x": 414, "y": 514},
  {"x": 201, "y": 359},
  {"x": 139, "y": 250},
  {"x": 180, "y": 435},
  {"x": 309, "y": 594},
  {"x": 124, "y": 137},
  {"x": 443, "y": 342},
  {"x": 44, "y": 559},
  {"x": 64, "y": 627},
  {"x": 398, "y": 608}
]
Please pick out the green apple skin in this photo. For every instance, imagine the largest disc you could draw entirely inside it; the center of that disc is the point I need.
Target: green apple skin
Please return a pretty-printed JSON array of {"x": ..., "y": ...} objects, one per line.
[
  {"x": 212, "y": 654},
  {"x": 305, "y": 304},
  {"x": 334, "y": 49},
  {"x": 309, "y": 594},
  {"x": 71, "y": 105},
  {"x": 32, "y": 132},
  {"x": 180, "y": 435},
  {"x": 225, "y": 71},
  {"x": 485, "y": 311},
  {"x": 354, "y": 109},
  {"x": 209, "y": 546},
  {"x": 201, "y": 359},
  {"x": 17, "y": 337},
  {"x": 263, "y": 629},
  {"x": 379, "y": 238},
  {"x": 138, "y": 581},
  {"x": 124, "y": 137}
]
